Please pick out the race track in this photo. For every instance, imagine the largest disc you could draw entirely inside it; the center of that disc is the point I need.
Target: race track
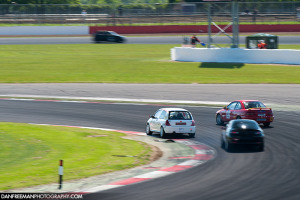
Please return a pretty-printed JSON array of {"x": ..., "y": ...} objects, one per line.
[
  {"x": 244, "y": 174},
  {"x": 134, "y": 40},
  {"x": 241, "y": 175}
]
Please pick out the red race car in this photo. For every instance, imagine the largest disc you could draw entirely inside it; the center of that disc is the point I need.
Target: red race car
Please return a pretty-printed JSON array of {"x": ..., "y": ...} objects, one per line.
[{"x": 245, "y": 109}]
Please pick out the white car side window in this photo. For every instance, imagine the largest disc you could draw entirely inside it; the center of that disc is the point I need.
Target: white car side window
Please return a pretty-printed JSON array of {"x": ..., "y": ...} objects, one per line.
[
  {"x": 157, "y": 114},
  {"x": 162, "y": 115}
]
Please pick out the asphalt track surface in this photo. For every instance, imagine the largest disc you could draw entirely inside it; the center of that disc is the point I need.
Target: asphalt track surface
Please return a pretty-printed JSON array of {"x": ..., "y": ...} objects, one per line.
[
  {"x": 243, "y": 174},
  {"x": 134, "y": 40},
  {"x": 281, "y": 94}
]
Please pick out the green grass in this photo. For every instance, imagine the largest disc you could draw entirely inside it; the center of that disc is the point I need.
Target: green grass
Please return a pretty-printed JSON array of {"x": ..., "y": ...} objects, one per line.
[
  {"x": 127, "y": 63},
  {"x": 30, "y": 154}
]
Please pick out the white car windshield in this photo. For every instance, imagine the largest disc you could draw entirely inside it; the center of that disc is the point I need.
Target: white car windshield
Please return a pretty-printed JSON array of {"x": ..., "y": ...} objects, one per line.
[{"x": 179, "y": 115}]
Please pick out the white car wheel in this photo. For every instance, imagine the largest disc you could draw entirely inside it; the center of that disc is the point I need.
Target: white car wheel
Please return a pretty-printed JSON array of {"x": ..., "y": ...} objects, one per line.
[
  {"x": 162, "y": 132},
  {"x": 191, "y": 135},
  {"x": 148, "y": 131}
]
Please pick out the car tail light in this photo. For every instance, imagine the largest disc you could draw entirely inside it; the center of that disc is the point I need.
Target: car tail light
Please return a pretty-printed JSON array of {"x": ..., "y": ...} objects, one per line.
[
  {"x": 168, "y": 123},
  {"x": 193, "y": 123},
  {"x": 234, "y": 132}
]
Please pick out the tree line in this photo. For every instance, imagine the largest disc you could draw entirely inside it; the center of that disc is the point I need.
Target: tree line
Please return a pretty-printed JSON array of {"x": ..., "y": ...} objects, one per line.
[
  {"x": 123, "y": 1},
  {"x": 133, "y": 6}
]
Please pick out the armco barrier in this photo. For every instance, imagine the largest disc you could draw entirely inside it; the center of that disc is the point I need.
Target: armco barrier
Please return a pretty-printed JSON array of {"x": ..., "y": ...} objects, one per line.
[
  {"x": 194, "y": 28},
  {"x": 236, "y": 55}
]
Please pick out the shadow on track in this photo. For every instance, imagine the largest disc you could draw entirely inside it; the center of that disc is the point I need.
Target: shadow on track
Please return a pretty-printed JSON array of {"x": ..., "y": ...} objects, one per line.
[{"x": 221, "y": 65}]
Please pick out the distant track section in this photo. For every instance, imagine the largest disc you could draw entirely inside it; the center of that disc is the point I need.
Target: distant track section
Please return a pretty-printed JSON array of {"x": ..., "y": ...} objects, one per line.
[{"x": 178, "y": 39}]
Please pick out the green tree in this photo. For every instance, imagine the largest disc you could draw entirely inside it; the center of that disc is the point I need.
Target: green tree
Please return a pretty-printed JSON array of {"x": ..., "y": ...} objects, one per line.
[{"x": 40, "y": 1}]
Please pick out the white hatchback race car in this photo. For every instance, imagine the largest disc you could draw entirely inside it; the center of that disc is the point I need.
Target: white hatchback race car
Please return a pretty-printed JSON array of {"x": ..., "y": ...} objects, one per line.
[{"x": 171, "y": 121}]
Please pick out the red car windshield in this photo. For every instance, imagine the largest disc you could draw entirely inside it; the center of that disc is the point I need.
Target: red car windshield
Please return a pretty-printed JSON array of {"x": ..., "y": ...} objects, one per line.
[{"x": 253, "y": 104}]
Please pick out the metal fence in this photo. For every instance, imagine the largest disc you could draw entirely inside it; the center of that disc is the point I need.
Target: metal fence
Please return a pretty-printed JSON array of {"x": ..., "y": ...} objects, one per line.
[{"x": 126, "y": 14}]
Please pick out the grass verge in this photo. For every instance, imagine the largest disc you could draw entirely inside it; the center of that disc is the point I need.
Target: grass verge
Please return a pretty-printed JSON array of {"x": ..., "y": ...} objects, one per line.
[
  {"x": 128, "y": 63},
  {"x": 30, "y": 153}
]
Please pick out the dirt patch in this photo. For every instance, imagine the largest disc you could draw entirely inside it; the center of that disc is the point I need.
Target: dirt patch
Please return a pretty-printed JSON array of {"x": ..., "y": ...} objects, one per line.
[{"x": 156, "y": 153}]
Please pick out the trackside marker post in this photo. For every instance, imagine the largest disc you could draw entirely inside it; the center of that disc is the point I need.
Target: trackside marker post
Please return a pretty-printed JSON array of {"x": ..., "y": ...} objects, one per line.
[{"x": 60, "y": 173}]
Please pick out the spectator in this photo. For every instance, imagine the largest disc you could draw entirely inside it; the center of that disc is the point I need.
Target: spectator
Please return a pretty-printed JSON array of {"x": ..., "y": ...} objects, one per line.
[
  {"x": 261, "y": 45},
  {"x": 254, "y": 14},
  {"x": 194, "y": 40},
  {"x": 83, "y": 12}
]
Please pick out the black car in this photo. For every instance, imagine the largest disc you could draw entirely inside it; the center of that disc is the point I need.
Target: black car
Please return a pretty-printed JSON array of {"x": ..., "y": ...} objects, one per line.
[
  {"x": 242, "y": 132},
  {"x": 108, "y": 36}
]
